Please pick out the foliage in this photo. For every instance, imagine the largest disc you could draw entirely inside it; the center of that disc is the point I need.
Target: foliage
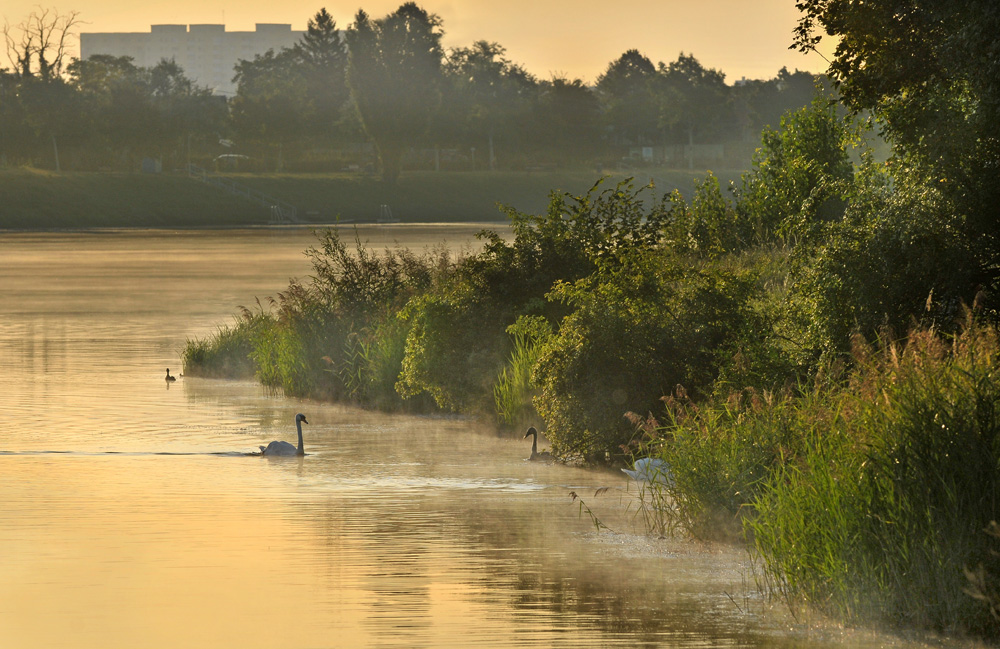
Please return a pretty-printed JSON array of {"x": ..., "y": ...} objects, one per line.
[
  {"x": 487, "y": 95},
  {"x": 791, "y": 186},
  {"x": 133, "y": 112},
  {"x": 268, "y": 105},
  {"x": 335, "y": 337},
  {"x": 294, "y": 98},
  {"x": 627, "y": 90},
  {"x": 634, "y": 333},
  {"x": 455, "y": 347},
  {"x": 897, "y": 255},
  {"x": 294, "y": 109},
  {"x": 893, "y": 496},
  {"x": 692, "y": 100},
  {"x": 709, "y": 227},
  {"x": 395, "y": 76},
  {"x": 514, "y": 389},
  {"x": 457, "y": 343},
  {"x": 929, "y": 71}
]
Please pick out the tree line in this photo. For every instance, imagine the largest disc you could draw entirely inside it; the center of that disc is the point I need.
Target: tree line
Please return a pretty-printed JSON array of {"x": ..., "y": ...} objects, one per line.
[{"x": 374, "y": 96}]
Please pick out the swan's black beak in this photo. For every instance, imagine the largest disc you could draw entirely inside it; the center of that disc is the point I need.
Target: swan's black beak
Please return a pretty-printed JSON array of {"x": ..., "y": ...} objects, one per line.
[{"x": 304, "y": 421}]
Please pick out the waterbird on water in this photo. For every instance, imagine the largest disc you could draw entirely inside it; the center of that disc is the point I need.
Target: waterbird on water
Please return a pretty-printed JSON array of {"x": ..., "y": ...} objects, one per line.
[
  {"x": 170, "y": 378},
  {"x": 651, "y": 469},
  {"x": 284, "y": 448},
  {"x": 535, "y": 455}
]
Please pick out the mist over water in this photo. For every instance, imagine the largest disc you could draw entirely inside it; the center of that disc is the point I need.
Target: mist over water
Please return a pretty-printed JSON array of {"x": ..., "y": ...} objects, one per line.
[{"x": 135, "y": 516}]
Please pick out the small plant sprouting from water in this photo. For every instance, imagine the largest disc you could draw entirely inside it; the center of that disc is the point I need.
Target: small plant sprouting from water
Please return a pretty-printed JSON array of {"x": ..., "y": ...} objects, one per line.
[{"x": 585, "y": 509}]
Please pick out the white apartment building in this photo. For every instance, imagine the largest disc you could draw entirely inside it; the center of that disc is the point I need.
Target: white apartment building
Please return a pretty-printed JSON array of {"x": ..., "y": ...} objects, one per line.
[{"x": 207, "y": 53}]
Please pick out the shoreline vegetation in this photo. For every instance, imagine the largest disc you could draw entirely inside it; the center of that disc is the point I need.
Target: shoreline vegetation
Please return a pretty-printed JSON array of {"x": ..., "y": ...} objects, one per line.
[
  {"x": 815, "y": 358},
  {"x": 38, "y": 200}
]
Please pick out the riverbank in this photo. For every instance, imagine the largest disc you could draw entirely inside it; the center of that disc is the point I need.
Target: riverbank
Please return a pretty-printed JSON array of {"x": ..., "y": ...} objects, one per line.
[{"x": 38, "y": 200}]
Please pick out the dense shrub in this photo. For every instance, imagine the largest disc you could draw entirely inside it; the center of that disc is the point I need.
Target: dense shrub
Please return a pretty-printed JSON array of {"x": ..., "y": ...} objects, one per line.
[
  {"x": 457, "y": 342},
  {"x": 335, "y": 337},
  {"x": 789, "y": 187},
  {"x": 895, "y": 256},
  {"x": 635, "y": 332},
  {"x": 868, "y": 495}
]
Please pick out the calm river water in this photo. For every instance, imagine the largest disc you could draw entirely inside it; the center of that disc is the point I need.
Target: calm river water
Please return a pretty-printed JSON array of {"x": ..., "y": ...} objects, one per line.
[{"x": 133, "y": 515}]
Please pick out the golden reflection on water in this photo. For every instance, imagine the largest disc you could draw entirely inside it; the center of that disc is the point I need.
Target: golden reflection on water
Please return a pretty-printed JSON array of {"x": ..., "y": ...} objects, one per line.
[{"x": 134, "y": 515}]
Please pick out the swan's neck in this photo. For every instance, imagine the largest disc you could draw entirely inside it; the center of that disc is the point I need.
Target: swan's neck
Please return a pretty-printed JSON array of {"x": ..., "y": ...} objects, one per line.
[
  {"x": 300, "y": 450},
  {"x": 534, "y": 444}
]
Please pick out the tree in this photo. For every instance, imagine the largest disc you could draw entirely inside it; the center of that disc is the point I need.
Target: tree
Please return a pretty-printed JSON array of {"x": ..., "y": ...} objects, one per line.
[
  {"x": 566, "y": 118},
  {"x": 37, "y": 50},
  {"x": 492, "y": 93},
  {"x": 116, "y": 99},
  {"x": 38, "y": 46},
  {"x": 322, "y": 53},
  {"x": 185, "y": 110},
  {"x": 761, "y": 103},
  {"x": 694, "y": 100},
  {"x": 930, "y": 70},
  {"x": 395, "y": 75},
  {"x": 626, "y": 90},
  {"x": 270, "y": 106}
]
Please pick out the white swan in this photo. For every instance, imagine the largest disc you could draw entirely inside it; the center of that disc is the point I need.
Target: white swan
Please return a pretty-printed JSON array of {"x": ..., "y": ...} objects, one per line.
[
  {"x": 170, "y": 378},
  {"x": 284, "y": 448},
  {"x": 535, "y": 455},
  {"x": 651, "y": 469}
]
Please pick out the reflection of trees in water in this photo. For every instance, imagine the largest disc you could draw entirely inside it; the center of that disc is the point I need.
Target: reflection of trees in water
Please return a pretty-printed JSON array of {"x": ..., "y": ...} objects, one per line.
[{"x": 534, "y": 561}]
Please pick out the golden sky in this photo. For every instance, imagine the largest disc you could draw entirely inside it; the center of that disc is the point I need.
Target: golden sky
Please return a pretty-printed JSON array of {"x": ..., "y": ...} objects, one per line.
[{"x": 575, "y": 38}]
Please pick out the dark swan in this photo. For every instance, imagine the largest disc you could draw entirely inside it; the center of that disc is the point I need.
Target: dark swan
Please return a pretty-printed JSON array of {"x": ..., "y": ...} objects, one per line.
[
  {"x": 535, "y": 455},
  {"x": 170, "y": 378},
  {"x": 284, "y": 448}
]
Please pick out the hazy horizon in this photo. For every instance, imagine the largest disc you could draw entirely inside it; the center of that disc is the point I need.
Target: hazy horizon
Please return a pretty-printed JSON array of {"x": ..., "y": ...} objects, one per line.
[{"x": 574, "y": 39}]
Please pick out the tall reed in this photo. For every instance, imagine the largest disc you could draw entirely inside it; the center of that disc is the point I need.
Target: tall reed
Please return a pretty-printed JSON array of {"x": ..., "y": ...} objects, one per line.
[
  {"x": 888, "y": 508},
  {"x": 227, "y": 353},
  {"x": 514, "y": 390}
]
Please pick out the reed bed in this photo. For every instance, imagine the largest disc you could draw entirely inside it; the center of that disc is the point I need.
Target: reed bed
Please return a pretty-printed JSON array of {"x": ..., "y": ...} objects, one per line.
[{"x": 870, "y": 496}]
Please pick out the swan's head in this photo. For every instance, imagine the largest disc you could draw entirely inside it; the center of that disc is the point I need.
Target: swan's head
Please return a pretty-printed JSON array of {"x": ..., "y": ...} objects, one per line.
[
  {"x": 300, "y": 417},
  {"x": 531, "y": 431}
]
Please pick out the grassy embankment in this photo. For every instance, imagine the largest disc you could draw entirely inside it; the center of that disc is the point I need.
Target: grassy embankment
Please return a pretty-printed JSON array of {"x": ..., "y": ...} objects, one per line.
[{"x": 31, "y": 199}]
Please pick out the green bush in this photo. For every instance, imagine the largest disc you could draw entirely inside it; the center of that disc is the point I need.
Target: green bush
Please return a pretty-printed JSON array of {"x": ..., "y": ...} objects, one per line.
[
  {"x": 636, "y": 331},
  {"x": 895, "y": 256},
  {"x": 454, "y": 348},
  {"x": 789, "y": 187}
]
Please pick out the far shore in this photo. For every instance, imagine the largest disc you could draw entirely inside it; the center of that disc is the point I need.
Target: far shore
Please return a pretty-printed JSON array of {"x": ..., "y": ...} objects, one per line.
[{"x": 38, "y": 200}]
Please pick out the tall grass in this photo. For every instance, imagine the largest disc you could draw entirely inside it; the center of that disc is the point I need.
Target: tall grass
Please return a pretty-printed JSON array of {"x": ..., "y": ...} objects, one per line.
[
  {"x": 889, "y": 505},
  {"x": 370, "y": 364},
  {"x": 868, "y": 496},
  {"x": 228, "y": 352},
  {"x": 514, "y": 390}
]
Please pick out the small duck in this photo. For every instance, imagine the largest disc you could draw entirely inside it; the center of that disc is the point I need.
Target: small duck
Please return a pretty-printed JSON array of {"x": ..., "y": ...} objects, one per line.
[
  {"x": 544, "y": 456},
  {"x": 170, "y": 378}
]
